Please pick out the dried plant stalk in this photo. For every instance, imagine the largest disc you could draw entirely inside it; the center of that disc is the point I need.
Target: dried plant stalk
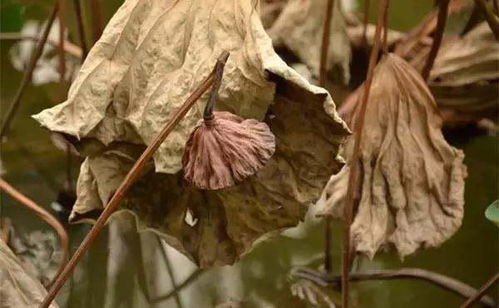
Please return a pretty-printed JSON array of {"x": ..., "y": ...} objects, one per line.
[
  {"x": 481, "y": 293},
  {"x": 131, "y": 177},
  {"x": 443, "y": 8},
  {"x": 9, "y": 115},
  {"x": 353, "y": 177}
]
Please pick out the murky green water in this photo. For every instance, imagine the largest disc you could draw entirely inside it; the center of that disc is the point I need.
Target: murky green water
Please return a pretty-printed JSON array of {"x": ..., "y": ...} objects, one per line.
[{"x": 125, "y": 269}]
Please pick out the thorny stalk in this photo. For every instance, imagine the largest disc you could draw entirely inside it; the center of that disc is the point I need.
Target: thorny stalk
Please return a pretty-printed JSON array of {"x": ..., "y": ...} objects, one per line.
[
  {"x": 443, "y": 8},
  {"x": 326, "y": 30},
  {"x": 480, "y": 293},
  {"x": 29, "y": 73},
  {"x": 130, "y": 178},
  {"x": 353, "y": 162},
  {"x": 491, "y": 18},
  {"x": 46, "y": 216},
  {"x": 81, "y": 29},
  {"x": 448, "y": 283},
  {"x": 322, "y": 82}
]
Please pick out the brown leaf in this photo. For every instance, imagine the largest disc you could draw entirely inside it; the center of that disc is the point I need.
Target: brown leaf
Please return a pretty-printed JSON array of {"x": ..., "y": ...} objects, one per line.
[
  {"x": 299, "y": 27},
  {"x": 18, "y": 288},
  {"x": 465, "y": 76},
  {"x": 225, "y": 150},
  {"x": 411, "y": 184},
  {"x": 150, "y": 58}
]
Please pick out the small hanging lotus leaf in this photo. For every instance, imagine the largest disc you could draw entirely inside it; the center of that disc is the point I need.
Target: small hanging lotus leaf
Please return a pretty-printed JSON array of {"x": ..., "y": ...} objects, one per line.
[
  {"x": 410, "y": 190},
  {"x": 299, "y": 27},
  {"x": 150, "y": 58},
  {"x": 225, "y": 150}
]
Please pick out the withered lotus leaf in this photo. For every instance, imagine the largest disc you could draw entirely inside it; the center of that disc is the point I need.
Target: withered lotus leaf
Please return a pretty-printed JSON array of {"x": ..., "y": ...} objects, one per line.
[
  {"x": 300, "y": 26},
  {"x": 411, "y": 185},
  {"x": 225, "y": 150},
  {"x": 465, "y": 76},
  {"x": 150, "y": 58},
  {"x": 17, "y": 287}
]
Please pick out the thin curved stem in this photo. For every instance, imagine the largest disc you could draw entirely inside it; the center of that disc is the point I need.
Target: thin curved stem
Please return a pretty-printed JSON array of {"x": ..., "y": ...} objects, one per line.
[
  {"x": 130, "y": 178},
  {"x": 353, "y": 162},
  {"x": 219, "y": 72},
  {"x": 29, "y": 72},
  {"x": 46, "y": 216},
  {"x": 326, "y": 30},
  {"x": 448, "y": 283},
  {"x": 97, "y": 24},
  {"x": 81, "y": 28},
  {"x": 491, "y": 18},
  {"x": 443, "y": 8},
  {"x": 61, "y": 53},
  {"x": 367, "y": 4},
  {"x": 480, "y": 293}
]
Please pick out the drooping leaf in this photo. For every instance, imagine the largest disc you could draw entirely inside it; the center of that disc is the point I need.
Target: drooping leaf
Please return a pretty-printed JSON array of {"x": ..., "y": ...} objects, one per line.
[
  {"x": 300, "y": 26},
  {"x": 465, "y": 76},
  {"x": 150, "y": 58},
  {"x": 410, "y": 188},
  {"x": 492, "y": 212},
  {"x": 17, "y": 287}
]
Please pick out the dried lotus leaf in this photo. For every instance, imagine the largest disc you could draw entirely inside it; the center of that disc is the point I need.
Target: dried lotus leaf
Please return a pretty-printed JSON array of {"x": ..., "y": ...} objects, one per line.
[
  {"x": 151, "y": 56},
  {"x": 411, "y": 184},
  {"x": 17, "y": 287},
  {"x": 225, "y": 150},
  {"x": 299, "y": 27},
  {"x": 465, "y": 75}
]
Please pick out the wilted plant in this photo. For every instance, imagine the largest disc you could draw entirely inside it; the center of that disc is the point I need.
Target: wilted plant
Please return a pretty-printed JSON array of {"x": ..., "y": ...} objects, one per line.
[
  {"x": 212, "y": 183},
  {"x": 410, "y": 191}
]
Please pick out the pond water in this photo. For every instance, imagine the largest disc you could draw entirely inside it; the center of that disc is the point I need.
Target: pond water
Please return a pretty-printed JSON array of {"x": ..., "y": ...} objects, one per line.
[{"x": 126, "y": 269}]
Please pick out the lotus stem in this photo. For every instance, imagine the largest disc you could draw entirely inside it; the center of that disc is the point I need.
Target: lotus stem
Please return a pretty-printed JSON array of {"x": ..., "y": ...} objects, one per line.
[
  {"x": 480, "y": 293},
  {"x": 29, "y": 72},
  {"x": 325, "y": 43},
  {"x": 130, "y": 178},
  {"x": 443, "y": 9},
  {"x": 353, "y": 162},
  {"x": 81, "y": 29},
  {"x": 491, "y": 18},
  {"x": 218, "y": 71},
  {"x": 445, "y": 282}
]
